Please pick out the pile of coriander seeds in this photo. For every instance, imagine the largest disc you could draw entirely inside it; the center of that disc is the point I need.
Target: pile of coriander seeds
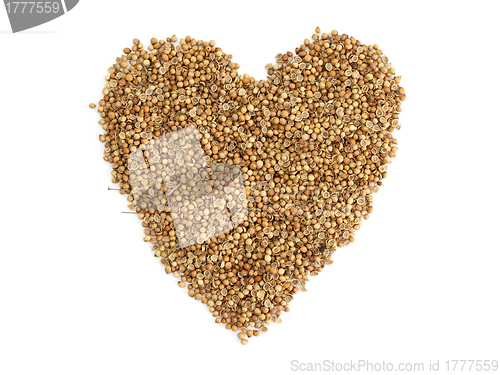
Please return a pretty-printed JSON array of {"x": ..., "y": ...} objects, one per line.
[{"x": 312, "y": 141}]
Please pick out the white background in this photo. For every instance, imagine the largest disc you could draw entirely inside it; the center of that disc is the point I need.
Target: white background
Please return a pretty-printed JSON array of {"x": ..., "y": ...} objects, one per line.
[{"x": 81, "y": 293}]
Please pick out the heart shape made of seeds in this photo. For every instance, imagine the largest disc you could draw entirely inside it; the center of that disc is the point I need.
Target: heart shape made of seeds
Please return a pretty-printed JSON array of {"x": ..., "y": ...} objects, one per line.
[{"x": 246, "y": 187}]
